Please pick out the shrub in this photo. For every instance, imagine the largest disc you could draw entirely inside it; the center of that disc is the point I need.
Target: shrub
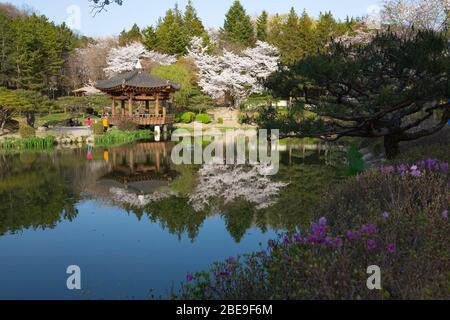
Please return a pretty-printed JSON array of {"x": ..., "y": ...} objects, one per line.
[
  {"x": 203, "y": 118},
  {"x": 220, "y": 120},
  {"x": 98, "y": 129},
  {"x": 188, "y": 117},
  {"x": 27, "y": 132},
  {"x": 392, "y": 217},
  {"x": 126, "y": 125},
  {"x": 355, "y": 162},
  {"x": 177, "y": 118}
]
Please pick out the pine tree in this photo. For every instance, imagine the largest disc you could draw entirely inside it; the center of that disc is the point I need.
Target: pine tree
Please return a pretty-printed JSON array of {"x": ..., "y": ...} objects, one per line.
[
  {"x": 127, "y": 37},
  {"x": 7, "y": 45},
  {"x": 192, "y": 23},
  {"x": 150, "y": 39},
  {"x": 306, "y": 36},
  {"x": 238, "y": 26},
  {"x": 289, "y": 41},
  {"x": 326, "y": 28},
  {"x": 262, "y": 25}
]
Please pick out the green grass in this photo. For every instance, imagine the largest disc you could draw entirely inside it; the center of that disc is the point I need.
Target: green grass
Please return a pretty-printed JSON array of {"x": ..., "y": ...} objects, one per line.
[{"x": 117, "y": 137}]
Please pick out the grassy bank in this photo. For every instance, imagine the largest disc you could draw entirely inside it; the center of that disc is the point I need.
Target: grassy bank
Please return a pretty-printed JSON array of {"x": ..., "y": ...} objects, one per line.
[{"x": 117, "y": 137}]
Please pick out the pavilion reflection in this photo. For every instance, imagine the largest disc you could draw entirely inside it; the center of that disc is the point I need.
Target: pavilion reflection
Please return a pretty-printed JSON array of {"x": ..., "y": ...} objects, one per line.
[{"x": 140, "y": 168}]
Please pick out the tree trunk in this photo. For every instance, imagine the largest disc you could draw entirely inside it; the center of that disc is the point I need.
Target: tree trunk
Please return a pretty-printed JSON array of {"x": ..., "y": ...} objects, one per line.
[
  {"x": 31, "y": 118},
  {"x": 391, "y": 146}
]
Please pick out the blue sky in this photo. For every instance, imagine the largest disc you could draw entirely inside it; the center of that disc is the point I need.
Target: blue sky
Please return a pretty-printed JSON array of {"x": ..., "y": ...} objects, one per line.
[{"x": 212, "y": 12}]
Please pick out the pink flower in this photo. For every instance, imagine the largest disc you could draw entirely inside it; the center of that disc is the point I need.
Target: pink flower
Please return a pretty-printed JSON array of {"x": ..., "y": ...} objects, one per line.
[{"x": 189, "y": 277}]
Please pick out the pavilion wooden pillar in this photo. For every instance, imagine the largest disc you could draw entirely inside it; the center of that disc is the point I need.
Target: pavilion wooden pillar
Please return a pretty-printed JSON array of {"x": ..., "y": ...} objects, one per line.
[
  {"x": 113, "y": 107},
  {"x": 130, "y": 105},
  {"x": 157, "y": 105},
  {"x": 165, "y": 109},
  {"x": 122, "y": 111},
  {"x": 147, "y": 106}
]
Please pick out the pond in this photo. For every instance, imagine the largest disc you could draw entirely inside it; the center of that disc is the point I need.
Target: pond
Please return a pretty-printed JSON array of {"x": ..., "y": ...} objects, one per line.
[{"x": 135, "y": 223}]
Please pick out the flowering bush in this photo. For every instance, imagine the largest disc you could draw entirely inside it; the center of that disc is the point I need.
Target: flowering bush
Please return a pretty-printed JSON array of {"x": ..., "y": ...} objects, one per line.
[
  {"x": 322, "y": 264},
  {"x": 393, "y": 218}
]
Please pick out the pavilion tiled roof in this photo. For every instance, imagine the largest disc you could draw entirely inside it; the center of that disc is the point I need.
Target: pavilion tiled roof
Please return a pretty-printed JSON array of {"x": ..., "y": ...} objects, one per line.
[{"x": 137, "y": 78}]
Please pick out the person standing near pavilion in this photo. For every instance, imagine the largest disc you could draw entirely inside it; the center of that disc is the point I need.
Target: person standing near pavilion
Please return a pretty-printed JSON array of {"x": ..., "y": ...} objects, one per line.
[{"x": 105, "y": 124}]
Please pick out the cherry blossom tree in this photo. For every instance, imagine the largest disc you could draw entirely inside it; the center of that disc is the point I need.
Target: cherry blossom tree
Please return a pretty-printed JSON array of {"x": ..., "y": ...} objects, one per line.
[
  {"x": 230, "y": 75},
  {"x": 125, "y": 58},
  {"x": 422, "y": 14}
]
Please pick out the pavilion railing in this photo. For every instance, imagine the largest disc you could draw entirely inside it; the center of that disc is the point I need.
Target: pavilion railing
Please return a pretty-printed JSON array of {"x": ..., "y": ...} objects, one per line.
[{"x": 143, "y": 119}]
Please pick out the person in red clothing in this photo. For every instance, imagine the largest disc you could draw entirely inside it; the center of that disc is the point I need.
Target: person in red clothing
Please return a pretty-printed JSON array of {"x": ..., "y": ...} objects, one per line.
[{"x": 88, "y": 124}]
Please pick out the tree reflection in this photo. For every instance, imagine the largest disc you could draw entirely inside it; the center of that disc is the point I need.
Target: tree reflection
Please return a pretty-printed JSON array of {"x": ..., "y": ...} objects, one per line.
[{"x": 33, "y": 194}]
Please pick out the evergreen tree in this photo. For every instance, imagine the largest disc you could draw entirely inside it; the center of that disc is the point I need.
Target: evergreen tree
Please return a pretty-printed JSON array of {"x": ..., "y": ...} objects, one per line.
[
  {"x": 127, "y": 37},
  {"x": 326, "y": 29},
  {"x": 262, "y": 25},
  {"x": 170, "y": 35},
  {"x": 7, "y": 50},
  {"x": 289, "y": 41},
  {"x": 192, "y": 23},
  {"x": 150, "y": 40},
  {"x": 306, "y": 36},
  {"x": 238, "y": 26}
]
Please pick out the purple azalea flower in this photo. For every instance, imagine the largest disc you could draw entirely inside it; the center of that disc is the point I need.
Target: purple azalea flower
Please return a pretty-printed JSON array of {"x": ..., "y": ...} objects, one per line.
[
  {"x": 414, "y": 168},
  {"x": 444, "y": 166},
  {"x": 232, "y": 260},
  {"x": 319, "y": 230},
  {"x": 416, "y": 173},
  {"x": 286, "y": 240},
  {"x": 402, "y": 168},
  {"x": 385, "y": 215},
  {"x": 337, "y": 243},
  {"x": 298, "y": 239},
  {"x": 353, "y": 236},
  {"x": 372, "y": 229},
  {"x": 444, "y": 214},
  {"x": 189, "y": 277},
  {"x": 323, "y": 221},
  {"x": 371, "y": 245},
  {"x": 391, "y": 248}
]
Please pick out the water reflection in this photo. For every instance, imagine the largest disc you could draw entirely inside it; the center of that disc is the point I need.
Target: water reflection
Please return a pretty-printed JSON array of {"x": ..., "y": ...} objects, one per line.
[{"x": 40, "y": 190}]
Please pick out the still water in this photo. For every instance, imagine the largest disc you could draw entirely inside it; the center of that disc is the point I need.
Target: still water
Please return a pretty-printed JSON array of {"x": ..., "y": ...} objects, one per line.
[{"x": 135, "y": 223}]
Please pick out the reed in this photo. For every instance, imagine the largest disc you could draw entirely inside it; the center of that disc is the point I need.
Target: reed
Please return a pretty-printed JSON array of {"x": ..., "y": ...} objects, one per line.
[
  {"x": 118, "y": 137},
  {"x": 28, "y": 144}
]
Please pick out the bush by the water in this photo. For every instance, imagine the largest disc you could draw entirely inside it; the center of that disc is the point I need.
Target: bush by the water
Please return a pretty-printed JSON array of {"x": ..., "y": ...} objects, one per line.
[
  {"x": 394, "y": 217},
  {"x": 188, "y": 117},
  {"x": 220, "y": 120},
  {"x": 203, "y": 118},
  {"x": 27, "y": 131},
  {"x": 98, "y": 129}
]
